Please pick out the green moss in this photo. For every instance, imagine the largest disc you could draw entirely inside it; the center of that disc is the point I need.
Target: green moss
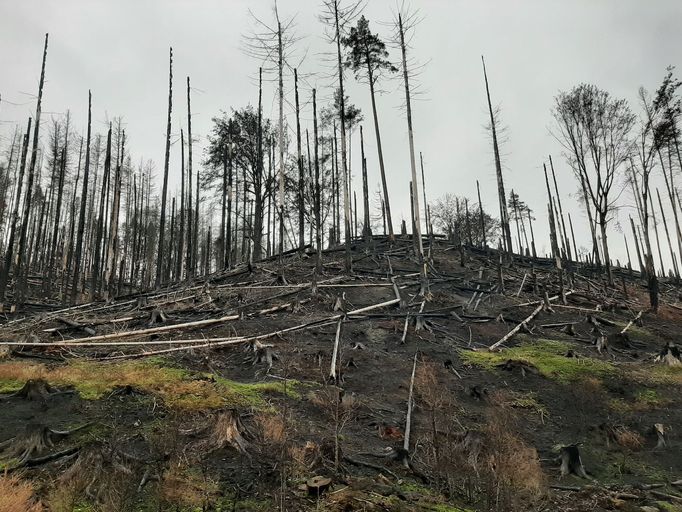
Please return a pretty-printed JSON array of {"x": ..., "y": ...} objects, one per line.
[
  {"x": 668, "y": 507},
  {"x": 178, "y": 388},
  {"x": 548, "y": 356},
  {"x": 446, "y": 508}
]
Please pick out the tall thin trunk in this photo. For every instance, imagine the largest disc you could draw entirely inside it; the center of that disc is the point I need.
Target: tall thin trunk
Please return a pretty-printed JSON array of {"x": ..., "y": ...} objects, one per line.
[
  {"x": 181, "y": 233},
  {"x": 565, "y": 241},
  {"x": 318, "y": 218},
  {"x": 228, "y": 230},
  {"x": 667, "y": 235},
  {"x": 94, "y": 282},
  {"x": 113, "y": 225},
  {"x": 386, "y": 202},
  {"x": 81, "y": 219},
  {"x": 299, "y": 162},
  {"x": 9, "y": 253},
  {"x": 190, "y": 213},
  {"x": 258, "y": 176},
  {"x": 31, "y": 174},
  {"x": 504, "y": 215},
  {"x": 164, "y": 190},
  {"x": 280, "y": 142},
  {"x": 413, "y": 165},
  {"x": 481, "y": 215},
  {"x": 366, "y": 228},
  {"x": 344, "y": 162}
]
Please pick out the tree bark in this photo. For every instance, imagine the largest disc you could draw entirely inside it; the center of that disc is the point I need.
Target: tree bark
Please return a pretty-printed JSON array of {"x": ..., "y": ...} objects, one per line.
[{"x": 164, "y": 190}]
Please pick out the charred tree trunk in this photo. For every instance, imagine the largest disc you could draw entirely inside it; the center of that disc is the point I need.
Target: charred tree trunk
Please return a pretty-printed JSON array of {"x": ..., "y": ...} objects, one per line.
[
  {"x": 164, "y": 190},
  {"x": 367, "y": 228},
  {"x": 9, "y": 253},
  {"x": 81, "y": 220},
  {"x": 504, "y": 215},
  {"x": 94, "y": 282},
  {"x": 413, "y": 164},
  {"x": 29, "y": 183},
  {"x": 190, "y": 213},
  {"x": 299, "y": 163},
  {"x": 344, "y": 162},
  {"x": 318, "y": 216}
]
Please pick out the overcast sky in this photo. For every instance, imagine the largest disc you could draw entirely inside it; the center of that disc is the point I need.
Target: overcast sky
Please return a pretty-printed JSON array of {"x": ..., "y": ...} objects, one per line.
[{"x": 533, "y": 49}]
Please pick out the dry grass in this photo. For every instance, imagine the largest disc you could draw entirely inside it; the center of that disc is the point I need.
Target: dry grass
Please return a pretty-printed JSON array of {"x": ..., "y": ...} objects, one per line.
[
  {"x": 17, "y": 495},
  {"x": 271, "y": 428},
  {"x": 513, "y": 473},
  {"x": 184, "y": 488}
]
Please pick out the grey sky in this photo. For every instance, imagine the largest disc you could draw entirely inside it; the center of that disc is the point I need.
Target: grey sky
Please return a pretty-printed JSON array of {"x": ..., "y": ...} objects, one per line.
[{"x": 119, "y": 50}]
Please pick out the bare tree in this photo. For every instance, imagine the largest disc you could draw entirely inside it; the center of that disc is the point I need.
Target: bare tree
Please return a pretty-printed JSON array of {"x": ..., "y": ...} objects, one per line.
[
  {"x": 164, "y": 191},
  {"x": 504, "y": 215},
  {"x": 81, "y": 219},
  {"x": 336, "y": 18},
  {"x": 594, "y": 129},
  {"x": 273, "y": 45}
]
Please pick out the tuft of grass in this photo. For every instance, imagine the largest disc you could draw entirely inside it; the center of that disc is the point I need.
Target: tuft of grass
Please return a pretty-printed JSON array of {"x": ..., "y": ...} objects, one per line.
[
  {"x": 530, "y": 402},
  {"x": 548, "y": 356},
  {"x": 179, "y": 388},
  {"x": 17, "y": 495},
  {"x": 645, "y": 399}
]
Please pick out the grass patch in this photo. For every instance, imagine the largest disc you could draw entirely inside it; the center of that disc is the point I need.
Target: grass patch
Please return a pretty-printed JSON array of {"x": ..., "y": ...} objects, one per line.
[
  {"x": 668, "y": 507},
  {"x": 644, "y": 400},
  {"x": 179, "y": 388},
  {"x": 548, "y": 356},
  {"x": 529, "y": 402}
]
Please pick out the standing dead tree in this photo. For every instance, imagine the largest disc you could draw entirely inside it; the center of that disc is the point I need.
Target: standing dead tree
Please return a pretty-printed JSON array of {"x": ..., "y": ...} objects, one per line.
[
  {"x": 83, "y": 200},
  {"x": 504, "y": 215},
  {"x": 404, "y": 26},
  {"x": 272, "y": 44},
  {"x": 164, "y": 191},
  {"x": 594, "y": 129},
  {"x": 337, "y": 18},
  {"x": 29, "y": 182}
]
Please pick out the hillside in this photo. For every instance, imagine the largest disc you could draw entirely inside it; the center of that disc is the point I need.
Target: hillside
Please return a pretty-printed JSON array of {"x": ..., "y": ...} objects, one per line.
[{"x": 230, "y": 392}]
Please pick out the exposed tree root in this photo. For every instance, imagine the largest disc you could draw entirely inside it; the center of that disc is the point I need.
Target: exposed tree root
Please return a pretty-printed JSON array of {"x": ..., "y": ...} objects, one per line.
[{"x": 29, "y": 448}]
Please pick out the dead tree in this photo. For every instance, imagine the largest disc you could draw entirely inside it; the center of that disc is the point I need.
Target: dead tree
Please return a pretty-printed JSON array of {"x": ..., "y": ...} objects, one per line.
[
  {"x": 81, "y": 220},
  {"x": 318, "y": 194},
  {"x": 336, "y": 18},
  {"x": 94, "y": 282},
  {"x": 274, "y": 44},
  {"x": 9, "y": 253},
  {"x": 191, "y": 221},
  {"x": 164, "y": 190},
  {"x": 299, "y": 165},
  {"x": 29, "y": 183},
  {"x": 403, "y": 26},
  {"x": 366, "y": 228},
  {"x": 181, "y": 232},
  {"x": 504, "y": 215}
]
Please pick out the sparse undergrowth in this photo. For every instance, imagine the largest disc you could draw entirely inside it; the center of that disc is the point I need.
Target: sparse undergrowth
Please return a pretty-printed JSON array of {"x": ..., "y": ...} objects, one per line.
[
  {"x": 551, "y": 359},
  {"x": 180, "y": 389}
]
